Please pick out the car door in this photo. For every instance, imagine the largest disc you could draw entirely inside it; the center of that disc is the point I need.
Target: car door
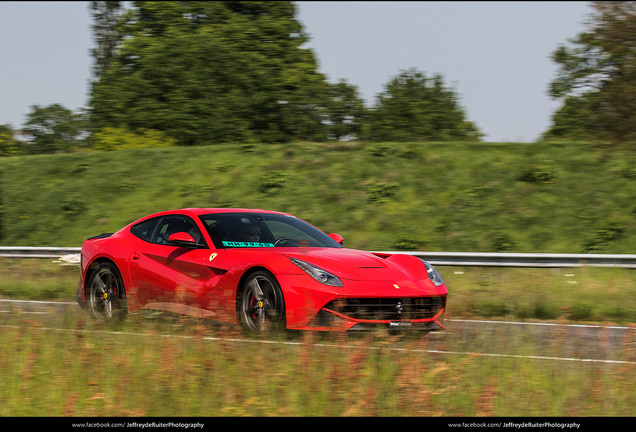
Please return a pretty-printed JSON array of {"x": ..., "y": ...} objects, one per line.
[{"x": 166, "y": 276}]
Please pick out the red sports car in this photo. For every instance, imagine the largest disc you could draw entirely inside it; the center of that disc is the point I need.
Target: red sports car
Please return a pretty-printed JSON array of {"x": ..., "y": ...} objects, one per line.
[{"x": 259, "y": 268}]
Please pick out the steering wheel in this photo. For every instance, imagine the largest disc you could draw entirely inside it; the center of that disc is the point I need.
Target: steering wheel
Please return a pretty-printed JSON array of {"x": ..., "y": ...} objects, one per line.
[{"x": 281, "y": 240}]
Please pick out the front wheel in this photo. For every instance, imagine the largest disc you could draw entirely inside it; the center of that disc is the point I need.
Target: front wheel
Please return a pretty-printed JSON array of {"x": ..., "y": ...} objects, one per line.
[
  {"x": 106, "y": 294},
  {"x": 261, "y": 304}
]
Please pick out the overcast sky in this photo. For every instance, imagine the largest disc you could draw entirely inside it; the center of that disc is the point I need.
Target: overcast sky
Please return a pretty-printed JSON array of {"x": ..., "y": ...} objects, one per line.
[{"x": 494, "y": 54}]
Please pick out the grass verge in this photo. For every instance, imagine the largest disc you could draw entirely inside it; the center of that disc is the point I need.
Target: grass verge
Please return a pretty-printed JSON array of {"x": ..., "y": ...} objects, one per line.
[{"x": 135, "y": 372}]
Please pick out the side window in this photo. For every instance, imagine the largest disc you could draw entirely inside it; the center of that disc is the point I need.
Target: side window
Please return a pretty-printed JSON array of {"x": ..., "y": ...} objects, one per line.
[
  {"x": 173, "y": 224},
  {"x": 144, "y": 229}
]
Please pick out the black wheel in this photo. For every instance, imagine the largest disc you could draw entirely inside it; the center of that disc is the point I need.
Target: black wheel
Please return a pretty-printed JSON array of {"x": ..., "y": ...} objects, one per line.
[
  {"x": 261, "y": 304},
  {"x": 106, "y": 294}
]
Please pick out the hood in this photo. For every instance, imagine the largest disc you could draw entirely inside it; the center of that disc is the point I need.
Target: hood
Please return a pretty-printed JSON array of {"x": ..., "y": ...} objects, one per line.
[{"x": 362, "y": 265}]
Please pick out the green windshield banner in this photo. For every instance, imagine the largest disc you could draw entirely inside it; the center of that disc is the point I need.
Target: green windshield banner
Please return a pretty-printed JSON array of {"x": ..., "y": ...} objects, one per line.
[{"x": 246, "y": 244}]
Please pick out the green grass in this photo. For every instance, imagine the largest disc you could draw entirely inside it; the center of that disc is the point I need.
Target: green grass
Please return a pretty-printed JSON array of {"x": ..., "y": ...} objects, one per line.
[
  {"x": 559, "y": 198},
  {"x": 37, "y": 279},
  {"x": 135, "y": 372},
  {"x": 581, "y": 295}
]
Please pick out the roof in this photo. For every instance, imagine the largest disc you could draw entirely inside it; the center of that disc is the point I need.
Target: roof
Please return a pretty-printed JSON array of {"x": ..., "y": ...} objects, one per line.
[{"x": 192, "y": 212}]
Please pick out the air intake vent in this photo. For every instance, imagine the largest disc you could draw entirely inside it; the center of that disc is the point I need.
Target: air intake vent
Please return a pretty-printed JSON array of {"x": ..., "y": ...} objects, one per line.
[{"x": 383, "y": 309}]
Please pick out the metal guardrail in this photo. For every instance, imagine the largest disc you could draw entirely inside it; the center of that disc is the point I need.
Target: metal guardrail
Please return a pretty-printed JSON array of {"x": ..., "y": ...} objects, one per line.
[
  {"x": 66, "y": 255},
  {"x": 70, "y": 255},
  {"x": 36, "y": 252},
  {"x": 497, "y": 259}
]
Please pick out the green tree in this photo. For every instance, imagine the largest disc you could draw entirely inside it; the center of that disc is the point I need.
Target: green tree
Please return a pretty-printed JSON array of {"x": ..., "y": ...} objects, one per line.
[
  {"x": 415, "y": 107},
  {"x": 211, "y": 72},
  {"x": 345, "y": 110},
  {"x": 9, "y": 145},
  {"x": 53, "y": 129},
  {"x": 106, "y": 15},
  {"x": 596, "y": 78}
]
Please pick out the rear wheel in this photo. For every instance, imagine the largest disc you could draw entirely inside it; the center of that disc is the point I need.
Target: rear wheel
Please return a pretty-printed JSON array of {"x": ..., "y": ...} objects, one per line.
[
  {"x": 261, "y": 304},
  {"x": 106, "y": 295}
]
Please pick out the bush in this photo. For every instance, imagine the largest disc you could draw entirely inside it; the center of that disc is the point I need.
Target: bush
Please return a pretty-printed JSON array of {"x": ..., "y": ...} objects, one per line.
[
  {"x": 610, "y": 231},
  {"x": 272, "y": 181},
  {"x": 379, "y": 150},
  {"x": 380, "y": 191},
  {"x": 74, "y": 206},
  {"x": 581, "y": 311},
  {"x": 81, "y": 167},
  {"x": 540, "y": 174},
  {"x": 111, "y": 138},
  {"x": 489, "y": 309},
  {"x": 405, "y": 244},
  {"x": 544, "y": 311},
  {"x": 502, "y": 242}
]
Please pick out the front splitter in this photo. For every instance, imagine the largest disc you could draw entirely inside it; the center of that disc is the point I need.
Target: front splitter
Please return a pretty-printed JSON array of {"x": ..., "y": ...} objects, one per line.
[{"x": 400, "y": 326}]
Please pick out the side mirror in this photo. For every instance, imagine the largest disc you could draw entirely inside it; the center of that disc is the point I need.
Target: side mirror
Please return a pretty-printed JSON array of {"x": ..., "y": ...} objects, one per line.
[
  {"x": 337, "y": 238},
  {"x": 182, "y": 239}
]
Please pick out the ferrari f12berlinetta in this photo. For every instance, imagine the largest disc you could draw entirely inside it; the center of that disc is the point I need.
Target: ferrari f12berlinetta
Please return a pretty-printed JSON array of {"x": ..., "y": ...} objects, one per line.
[{"x": 261, "y": 269}]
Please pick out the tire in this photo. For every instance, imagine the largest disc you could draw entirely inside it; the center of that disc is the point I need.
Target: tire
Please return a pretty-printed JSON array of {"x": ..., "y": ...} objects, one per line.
[
  {"x": 106, "y": 294},
  {"x": 261, "y": 306}
]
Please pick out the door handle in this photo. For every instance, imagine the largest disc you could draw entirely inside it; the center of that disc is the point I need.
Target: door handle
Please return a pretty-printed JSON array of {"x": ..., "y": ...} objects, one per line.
[{"x": 135, "y": 256}]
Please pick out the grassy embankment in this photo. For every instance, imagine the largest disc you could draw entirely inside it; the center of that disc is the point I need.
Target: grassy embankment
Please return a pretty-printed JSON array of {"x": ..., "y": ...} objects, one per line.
[{"x": 561, "y": 198}]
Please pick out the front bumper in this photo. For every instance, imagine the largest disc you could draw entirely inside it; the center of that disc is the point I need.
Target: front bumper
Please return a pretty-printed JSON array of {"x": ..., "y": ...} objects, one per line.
[
  {"x": 364, "y": 305},
  {"x": 330, "y": 320}
]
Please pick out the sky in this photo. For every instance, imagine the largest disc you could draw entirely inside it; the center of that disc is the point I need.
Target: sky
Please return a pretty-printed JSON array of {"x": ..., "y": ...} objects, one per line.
[{"x": 495, "y": 55}]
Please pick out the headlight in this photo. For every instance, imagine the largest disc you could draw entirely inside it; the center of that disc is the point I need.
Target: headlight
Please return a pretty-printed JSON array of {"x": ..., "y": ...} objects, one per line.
[
  {"x": 317, "y": 273},
  {"x": 432, "y": 274}
]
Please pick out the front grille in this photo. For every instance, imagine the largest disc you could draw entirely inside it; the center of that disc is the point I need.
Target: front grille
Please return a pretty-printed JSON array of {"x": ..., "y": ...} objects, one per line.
[{"x": 383, "y": 309}]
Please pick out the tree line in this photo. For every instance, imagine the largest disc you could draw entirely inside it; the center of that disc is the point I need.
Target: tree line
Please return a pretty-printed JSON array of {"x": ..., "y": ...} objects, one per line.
[{"x": 198, "y": 73}]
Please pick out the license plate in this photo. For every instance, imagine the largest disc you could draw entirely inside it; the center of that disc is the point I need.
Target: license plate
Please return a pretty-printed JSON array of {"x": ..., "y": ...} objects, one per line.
[{"x": 400, "y": 324}]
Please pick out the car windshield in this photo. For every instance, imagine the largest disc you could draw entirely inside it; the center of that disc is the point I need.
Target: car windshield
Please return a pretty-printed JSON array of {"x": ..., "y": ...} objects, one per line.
[{"x": 263, "y": 230}]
